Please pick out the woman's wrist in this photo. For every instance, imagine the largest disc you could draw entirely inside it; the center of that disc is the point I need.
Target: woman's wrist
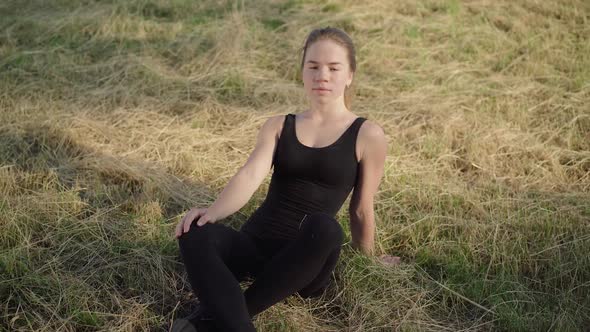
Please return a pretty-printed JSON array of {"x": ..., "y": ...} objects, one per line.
[{"x": 366, "y": 249}]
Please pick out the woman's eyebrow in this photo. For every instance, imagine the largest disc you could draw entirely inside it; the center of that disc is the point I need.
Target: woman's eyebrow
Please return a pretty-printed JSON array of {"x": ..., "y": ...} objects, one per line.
[{"x": 330, "y": 63}]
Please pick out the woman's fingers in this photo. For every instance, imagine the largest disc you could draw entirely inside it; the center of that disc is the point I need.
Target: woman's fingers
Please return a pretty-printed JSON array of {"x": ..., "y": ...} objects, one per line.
[
  {"x": 390, "y": 260},
  {"x": 179, "y": 227},
  {"x": 178, "y": 230},
  {"x": 203, "y": 220},
  {"x": 194, "y": 214},
  {"x": 190, "y": 217},
  {"x": 185, "y": 223}
]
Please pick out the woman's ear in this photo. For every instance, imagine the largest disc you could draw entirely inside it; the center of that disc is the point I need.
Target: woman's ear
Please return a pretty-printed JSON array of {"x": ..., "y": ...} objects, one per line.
[{"x": 349, "y": 81}]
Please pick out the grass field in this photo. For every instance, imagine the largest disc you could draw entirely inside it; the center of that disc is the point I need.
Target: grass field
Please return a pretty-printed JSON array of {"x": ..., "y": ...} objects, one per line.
[{"x": 118, "y": 116}]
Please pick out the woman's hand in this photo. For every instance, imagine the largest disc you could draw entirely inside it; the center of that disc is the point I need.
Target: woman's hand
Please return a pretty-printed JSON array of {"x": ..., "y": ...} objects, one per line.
[
  {"x": 199, "y": 214},
  {"x": 389, "y": 260}
]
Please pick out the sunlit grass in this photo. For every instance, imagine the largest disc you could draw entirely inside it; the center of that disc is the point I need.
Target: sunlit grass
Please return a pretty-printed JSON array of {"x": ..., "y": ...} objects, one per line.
[{"x": 118, "y": 116}]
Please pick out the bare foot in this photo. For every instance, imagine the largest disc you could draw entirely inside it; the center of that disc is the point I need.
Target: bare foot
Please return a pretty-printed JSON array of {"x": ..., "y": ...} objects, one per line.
[{"x": 389, "y": 260}]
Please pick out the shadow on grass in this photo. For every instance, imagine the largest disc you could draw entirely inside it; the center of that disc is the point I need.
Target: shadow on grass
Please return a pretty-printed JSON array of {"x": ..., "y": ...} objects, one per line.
[{"x": 102, "y": 223}]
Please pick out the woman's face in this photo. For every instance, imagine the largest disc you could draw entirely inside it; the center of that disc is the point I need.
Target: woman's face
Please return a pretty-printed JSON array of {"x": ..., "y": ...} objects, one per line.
[{"x": 326, "y": 71}]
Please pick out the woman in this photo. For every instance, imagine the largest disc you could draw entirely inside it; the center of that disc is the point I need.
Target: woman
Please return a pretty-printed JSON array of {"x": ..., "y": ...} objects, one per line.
[{"x": 292, "y": 242}]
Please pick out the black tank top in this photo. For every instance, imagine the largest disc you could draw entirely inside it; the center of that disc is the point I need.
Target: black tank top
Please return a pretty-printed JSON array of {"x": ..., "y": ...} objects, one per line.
[{"x": 305, "y": 180}]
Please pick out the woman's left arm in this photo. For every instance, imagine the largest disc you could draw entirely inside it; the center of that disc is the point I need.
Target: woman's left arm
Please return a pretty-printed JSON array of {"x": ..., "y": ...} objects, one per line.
[{"x": 372, "y": 162}]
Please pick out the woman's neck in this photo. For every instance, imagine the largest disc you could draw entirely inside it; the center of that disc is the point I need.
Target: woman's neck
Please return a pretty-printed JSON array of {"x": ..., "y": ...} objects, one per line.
[{"x": 325, "y": 111}]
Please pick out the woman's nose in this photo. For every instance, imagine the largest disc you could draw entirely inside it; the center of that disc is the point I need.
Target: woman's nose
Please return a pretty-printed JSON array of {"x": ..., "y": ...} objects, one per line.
[{"x": 321, "y": 75}]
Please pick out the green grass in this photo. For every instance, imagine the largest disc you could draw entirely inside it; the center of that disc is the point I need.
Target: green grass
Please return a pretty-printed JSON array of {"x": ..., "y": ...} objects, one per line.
[{"x": 119, "y": 116}]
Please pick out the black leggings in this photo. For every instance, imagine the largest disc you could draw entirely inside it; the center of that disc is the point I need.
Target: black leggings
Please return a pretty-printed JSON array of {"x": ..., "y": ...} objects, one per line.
[{"x": 217, "y": 257}]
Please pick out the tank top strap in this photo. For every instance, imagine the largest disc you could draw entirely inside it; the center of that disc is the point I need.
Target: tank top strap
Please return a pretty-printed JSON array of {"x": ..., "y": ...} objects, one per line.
[
  {"x": 289, "y": 127},
  {"x": 353, "y": 131},
  {"x": 287, "y": 124},
  {"x": 284, "y": 137}
]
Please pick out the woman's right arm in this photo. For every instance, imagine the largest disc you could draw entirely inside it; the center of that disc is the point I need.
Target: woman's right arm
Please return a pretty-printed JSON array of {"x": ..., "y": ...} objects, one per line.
[{"x": 244, "y": 183}]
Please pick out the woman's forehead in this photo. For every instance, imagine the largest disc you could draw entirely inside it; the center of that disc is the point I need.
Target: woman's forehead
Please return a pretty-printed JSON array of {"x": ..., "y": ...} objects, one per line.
[{"x": 326, "y": 51}]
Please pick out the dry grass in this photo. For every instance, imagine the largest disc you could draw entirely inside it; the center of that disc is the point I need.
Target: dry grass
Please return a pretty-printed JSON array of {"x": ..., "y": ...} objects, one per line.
[{"x": 118, "y": 116}]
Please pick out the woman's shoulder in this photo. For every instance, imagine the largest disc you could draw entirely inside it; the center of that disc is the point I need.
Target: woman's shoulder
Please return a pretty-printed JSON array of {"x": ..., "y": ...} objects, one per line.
[
  {"x": 370, "y": 129},
  {"x": 276, "y": 119},
  {"x": 275, "y": 123},
  {"x": 370, "y": 134}
]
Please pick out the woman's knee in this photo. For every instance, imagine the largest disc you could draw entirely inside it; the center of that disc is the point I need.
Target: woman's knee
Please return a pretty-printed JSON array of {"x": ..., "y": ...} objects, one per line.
[
  {"x": 197, "y": 235},
  {"x": 324, "y": 229}
]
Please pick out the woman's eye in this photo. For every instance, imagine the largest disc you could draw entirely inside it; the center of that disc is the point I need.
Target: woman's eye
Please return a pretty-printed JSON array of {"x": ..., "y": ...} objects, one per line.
[{"x": 331, "y": 69}]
